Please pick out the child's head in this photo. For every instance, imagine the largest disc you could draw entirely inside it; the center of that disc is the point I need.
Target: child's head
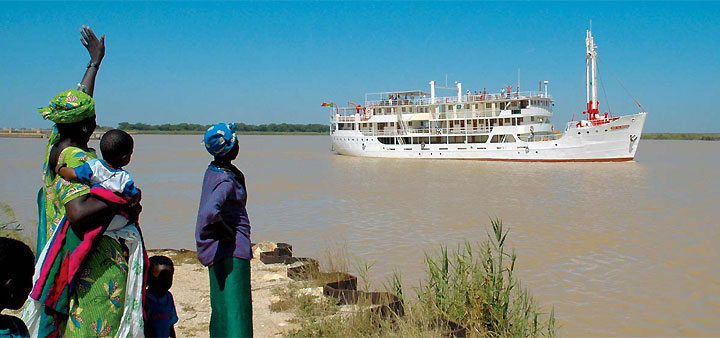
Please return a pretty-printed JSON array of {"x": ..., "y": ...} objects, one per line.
[
  {"x": 17, "y": 265},
  {"x": 161, "y": 273},
  {"x": 117, "y": 147}
]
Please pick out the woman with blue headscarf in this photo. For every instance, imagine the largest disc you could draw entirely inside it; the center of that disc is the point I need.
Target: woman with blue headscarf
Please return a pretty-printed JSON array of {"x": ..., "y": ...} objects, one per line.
[{"x": 223, "y": 236}]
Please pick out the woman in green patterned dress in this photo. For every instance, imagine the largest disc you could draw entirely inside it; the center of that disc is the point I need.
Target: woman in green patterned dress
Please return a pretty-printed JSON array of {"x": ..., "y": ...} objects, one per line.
[{"x": 82, "y": 285}]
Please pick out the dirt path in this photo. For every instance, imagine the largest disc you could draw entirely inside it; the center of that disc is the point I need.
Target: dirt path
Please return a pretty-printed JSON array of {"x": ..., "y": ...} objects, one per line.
[{"x": 191, "y": 291}]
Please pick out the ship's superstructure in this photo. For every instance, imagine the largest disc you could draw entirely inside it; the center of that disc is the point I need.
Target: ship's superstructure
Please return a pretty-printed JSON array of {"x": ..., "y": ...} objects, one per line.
[{"x": 511, "y": 125}]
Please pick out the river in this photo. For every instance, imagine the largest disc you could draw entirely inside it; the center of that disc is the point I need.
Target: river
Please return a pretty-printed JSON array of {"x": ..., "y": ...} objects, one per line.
[{"x": 616, "y": 248}]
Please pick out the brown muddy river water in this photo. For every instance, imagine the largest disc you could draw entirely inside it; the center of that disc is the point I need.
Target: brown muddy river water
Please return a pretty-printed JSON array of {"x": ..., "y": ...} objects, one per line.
[{"x": 617, "y": 248}]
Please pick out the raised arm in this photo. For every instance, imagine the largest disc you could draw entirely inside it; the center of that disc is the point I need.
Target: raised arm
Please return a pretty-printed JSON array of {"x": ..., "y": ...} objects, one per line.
[{"x": 96, "y": 49}]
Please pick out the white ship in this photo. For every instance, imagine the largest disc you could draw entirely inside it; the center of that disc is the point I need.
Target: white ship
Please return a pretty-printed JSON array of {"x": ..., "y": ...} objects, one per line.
[{"x": 509, "y": 126}]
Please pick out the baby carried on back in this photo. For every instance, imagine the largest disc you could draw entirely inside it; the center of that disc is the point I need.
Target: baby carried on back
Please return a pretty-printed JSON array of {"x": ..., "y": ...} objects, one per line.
[
  {"x": 110, "y": 182},
  {"x": 117, "y": 148}
]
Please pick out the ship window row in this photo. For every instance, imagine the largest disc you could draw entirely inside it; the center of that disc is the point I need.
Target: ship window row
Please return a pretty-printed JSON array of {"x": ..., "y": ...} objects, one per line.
[
  {"x": 540, "y": 103},
  {"x": 508, "y": 121},
  {"x": 423, "y": 141},
  {"x": 509, "y": 105},
  {"x": 410, "y": 109}
]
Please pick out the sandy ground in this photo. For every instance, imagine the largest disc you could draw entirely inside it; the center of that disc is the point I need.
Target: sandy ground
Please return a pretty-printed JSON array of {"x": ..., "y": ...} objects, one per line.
[{"x": 191, "y": 291}]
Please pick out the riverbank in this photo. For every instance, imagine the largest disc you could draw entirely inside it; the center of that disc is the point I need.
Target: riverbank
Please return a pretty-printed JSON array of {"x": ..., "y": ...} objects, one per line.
[
  {"x": 469, "y": 290},
  {"x": 191, "y": 291},
  {"x": 35, "y": 133},
  {"x": 195, "y": 132},
  {"x": 41, "y": 133},
  {"x": 682, "y": 136}
]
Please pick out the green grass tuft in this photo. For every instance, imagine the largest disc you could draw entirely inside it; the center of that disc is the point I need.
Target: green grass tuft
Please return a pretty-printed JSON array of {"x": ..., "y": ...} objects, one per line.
[
  {"x": 10, "y": 227},
  {"x": 473, "y": 286}
]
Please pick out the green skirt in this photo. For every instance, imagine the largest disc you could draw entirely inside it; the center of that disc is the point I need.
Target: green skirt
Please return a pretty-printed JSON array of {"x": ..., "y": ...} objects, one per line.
[{"x": 230, "y": 298}]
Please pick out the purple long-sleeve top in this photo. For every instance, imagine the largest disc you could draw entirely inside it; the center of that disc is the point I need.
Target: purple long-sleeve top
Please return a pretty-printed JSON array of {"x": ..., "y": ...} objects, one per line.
[{"x": 222, "y": 198}]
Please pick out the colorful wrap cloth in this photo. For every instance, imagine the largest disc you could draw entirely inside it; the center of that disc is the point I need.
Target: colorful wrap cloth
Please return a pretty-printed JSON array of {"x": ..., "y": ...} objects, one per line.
[
  {"x": 220, "y": 139},
  {"x": 69, "y": 107},
  {"x": 63, "y": 268}
]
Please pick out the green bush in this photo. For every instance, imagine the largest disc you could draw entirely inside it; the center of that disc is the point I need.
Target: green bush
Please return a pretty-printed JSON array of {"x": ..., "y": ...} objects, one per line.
[{"x": 241, "y": 127}]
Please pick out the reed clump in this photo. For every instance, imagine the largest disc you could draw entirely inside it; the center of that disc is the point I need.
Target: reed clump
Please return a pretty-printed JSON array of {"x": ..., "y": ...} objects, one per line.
[
  {"x": 472, "y": 289},
  {"x": 9, "y": 225},
  {"x": 477, "y": 288}
]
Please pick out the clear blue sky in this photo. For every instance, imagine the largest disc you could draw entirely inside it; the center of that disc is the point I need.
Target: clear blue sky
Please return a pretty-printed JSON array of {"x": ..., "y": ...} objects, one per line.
[{"x": 276, "y": 62}]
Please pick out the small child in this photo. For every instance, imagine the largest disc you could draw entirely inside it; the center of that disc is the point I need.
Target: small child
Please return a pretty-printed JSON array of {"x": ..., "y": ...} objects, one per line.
[
  {"x": 17, "y": 265},
  {"x": 117, "y": 148},
  {"x": 159, "y": 303}
]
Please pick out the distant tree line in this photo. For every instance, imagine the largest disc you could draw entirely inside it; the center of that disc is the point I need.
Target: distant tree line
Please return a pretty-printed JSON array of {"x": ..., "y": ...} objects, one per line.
[{"x": 272, "y": 127}]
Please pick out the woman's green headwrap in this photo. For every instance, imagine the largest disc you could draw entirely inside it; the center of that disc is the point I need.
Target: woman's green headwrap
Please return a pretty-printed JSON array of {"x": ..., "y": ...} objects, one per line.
[{"x": 68, "y": 107}]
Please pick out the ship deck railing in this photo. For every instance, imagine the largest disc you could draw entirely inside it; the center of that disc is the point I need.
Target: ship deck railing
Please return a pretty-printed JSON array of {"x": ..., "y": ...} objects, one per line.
[
  {"x": 345, "y": 118},
  {"x": 472, "y": 98},
  {"x": 482, "y": 113},
  {"x": 428, "y": 131},
  {"x": 432, "y": 132},
  {"x": 452, "y": 115}
]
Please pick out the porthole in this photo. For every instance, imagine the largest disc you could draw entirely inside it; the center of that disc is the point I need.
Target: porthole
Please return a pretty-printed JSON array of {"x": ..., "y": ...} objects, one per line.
[
  {"x": 578, "y": 133},
  {"x": 606, "y": 130},
  {"x": 588, "y": 132},
  {"x": 536, "y": 151},
  {"x": 556, "y": 144}
]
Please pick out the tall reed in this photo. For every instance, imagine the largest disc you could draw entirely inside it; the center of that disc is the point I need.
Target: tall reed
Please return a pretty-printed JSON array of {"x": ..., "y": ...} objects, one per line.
[
  {"x": 477, "y": 288},
  {"x": 473, "y": 286},
  {"x": 9, "y": 225}
]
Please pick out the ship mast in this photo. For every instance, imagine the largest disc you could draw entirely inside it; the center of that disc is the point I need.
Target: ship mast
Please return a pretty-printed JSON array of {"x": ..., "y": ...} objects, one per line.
[{"x": 591, "y": 75}]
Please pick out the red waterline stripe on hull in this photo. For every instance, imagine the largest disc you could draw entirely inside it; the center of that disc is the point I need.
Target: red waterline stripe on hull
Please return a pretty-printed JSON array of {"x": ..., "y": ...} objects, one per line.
[{"x": 619, "y": 159}]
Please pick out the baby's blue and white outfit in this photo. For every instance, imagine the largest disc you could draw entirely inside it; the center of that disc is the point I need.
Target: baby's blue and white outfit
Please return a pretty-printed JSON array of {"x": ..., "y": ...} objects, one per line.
[{"x": 96, "y": 172}]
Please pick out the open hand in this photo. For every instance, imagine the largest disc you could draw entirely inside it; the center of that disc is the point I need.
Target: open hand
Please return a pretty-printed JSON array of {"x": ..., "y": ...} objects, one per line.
[{"x": 95, "y": 46}]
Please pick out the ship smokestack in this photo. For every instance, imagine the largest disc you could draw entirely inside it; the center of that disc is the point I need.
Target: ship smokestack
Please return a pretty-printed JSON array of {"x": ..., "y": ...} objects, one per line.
[
  {"x": 432, "y": 92},
  {"x": 459, "y": 87}
]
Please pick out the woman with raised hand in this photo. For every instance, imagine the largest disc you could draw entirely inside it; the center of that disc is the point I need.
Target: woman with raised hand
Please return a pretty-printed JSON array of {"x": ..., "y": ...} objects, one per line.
[{"x": 83, "y": 284}]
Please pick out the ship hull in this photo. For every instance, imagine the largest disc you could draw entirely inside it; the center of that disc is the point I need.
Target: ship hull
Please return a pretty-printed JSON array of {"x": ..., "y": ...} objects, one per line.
[{"x": 610, "y": 142}]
